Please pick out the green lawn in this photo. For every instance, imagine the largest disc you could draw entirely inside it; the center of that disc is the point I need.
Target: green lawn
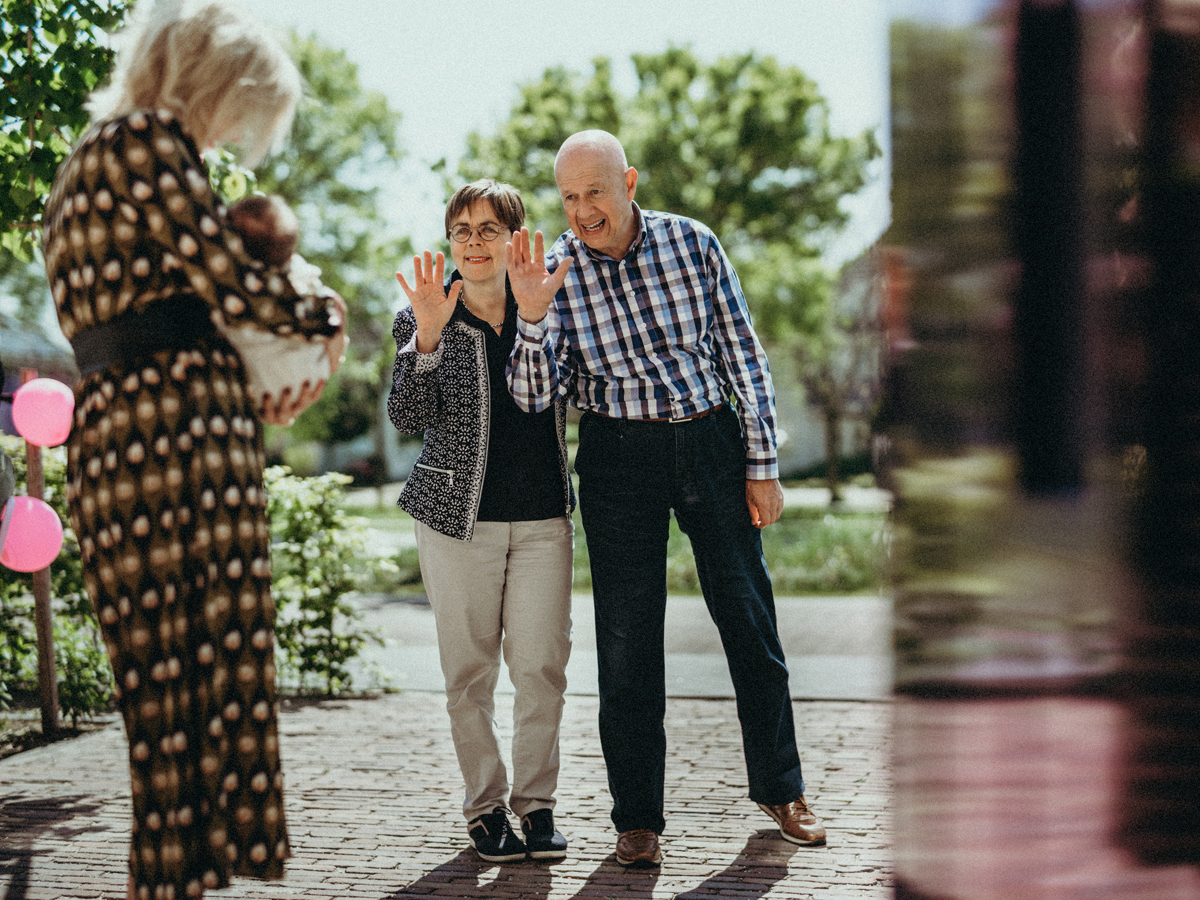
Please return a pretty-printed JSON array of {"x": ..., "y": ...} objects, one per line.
[{"x": 809, "y": 551}]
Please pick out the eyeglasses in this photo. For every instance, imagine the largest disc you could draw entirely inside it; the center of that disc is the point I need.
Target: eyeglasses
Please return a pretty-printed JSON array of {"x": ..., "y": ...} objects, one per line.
[{"x": 488, "y": 231}]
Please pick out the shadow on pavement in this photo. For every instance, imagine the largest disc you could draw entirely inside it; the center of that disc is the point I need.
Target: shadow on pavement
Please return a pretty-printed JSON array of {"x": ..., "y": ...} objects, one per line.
[
  {"x": 22, "y": 822},
  {"x": 758, "y": 867},
  {"x": 467, "y": 875},
  {"x": 611, "y": 879}
]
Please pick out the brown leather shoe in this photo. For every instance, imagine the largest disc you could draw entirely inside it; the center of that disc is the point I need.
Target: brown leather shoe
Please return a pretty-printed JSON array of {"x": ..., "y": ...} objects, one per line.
[
  {"x": 638, "y": 849},
  {"x": 797, "y": 823}
]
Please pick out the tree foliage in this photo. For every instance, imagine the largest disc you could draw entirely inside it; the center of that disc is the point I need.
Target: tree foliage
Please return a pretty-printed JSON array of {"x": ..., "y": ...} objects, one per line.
[
  {"x": 839, "y": 360},
  {"x": 342, "y": 144},
  {"x": 743, "y": 144},
  {"x": 52, "y": 55}
]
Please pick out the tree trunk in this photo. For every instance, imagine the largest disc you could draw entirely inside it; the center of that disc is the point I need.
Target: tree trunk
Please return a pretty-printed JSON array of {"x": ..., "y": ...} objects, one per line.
[
  {"x": 833, "y": 453},
  {"x": 43, "y": 619}
]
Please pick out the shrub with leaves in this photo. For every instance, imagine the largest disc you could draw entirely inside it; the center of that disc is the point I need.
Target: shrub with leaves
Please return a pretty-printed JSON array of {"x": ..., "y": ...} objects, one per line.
[
  {"x": 84, "y": 676},
  {"x": 17, "y": 642},
  {"x": 316, "y": 562}
]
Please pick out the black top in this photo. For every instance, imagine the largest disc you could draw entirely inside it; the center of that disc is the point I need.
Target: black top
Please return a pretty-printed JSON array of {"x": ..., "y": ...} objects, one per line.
[{"x": 522, "y": 482}]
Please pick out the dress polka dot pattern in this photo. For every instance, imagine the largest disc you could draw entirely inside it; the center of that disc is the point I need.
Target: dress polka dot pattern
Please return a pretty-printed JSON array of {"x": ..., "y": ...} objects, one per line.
[{"x": 165, "y": 488}]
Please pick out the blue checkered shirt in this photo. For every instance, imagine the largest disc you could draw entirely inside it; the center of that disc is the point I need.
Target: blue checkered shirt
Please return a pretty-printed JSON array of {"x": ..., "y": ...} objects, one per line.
[{"x": 663, "y": 333}]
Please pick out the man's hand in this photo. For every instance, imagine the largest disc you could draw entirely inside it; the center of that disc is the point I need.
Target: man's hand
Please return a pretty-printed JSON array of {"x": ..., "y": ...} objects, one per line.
[
  {"x": 431, "y": 305},
  {"x": 532, "y": 285},
  {"x": 765, "y": 499}
]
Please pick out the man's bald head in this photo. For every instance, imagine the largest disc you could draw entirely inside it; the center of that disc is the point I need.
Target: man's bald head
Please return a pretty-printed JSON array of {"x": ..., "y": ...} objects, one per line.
[
  {"x": 597, "y": 187},
  {"x": 595, "y": 143}
]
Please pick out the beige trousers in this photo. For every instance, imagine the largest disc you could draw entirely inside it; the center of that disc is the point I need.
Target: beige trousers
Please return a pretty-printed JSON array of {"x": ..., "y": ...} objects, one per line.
[{"x": 507, "y": 590}]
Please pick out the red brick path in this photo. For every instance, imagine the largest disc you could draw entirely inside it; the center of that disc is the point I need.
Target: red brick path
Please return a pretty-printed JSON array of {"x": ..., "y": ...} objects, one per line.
[{"x": 373, "y": 795}]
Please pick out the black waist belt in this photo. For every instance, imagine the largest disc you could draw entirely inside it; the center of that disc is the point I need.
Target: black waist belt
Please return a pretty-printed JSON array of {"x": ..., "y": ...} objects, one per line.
[{"x": 177, "y": 323}]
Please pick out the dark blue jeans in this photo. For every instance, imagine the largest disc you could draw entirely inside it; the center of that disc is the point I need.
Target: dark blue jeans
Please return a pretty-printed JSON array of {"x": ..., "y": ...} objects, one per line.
[{"x": 631, "y": 476}]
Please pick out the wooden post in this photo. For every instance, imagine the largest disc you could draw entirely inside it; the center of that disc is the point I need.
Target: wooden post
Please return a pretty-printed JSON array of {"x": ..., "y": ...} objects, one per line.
[{"x": 35, "y": 486}]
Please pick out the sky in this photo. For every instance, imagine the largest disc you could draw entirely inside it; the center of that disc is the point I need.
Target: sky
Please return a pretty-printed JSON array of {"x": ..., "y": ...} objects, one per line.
[{"x": 451, "y": 68}]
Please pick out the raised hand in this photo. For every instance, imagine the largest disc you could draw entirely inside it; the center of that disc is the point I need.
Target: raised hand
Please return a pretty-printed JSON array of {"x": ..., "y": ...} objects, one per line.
[
  {"x": 533, "y": 286},
  {"x": 431, "y": 305}
]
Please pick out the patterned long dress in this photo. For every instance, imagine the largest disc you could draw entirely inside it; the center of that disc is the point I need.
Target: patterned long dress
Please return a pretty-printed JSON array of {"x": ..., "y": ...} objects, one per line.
[{"x": 165, "y": 489}]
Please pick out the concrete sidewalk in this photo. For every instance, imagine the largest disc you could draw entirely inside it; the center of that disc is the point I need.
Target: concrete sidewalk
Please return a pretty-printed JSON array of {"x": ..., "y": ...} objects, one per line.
[
  {"x": 374, "y": 810},
  {"x": 854, "y": 497},
  {"x": 838, "y": 648}
]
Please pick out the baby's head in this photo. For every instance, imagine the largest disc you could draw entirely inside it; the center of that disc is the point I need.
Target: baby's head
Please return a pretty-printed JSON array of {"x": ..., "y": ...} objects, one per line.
[{"x": 268, "y": 227}]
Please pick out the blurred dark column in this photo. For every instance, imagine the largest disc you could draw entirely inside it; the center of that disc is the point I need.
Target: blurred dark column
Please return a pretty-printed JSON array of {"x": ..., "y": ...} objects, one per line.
[
  {"x": 1048, "y": 238},
  {"x": 1160, "y": 821},
  {"x": 1016, "y": 390}
]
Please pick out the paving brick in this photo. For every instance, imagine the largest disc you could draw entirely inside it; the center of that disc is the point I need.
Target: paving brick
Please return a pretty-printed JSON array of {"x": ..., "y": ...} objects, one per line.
[{"x": 374, "y": 811}]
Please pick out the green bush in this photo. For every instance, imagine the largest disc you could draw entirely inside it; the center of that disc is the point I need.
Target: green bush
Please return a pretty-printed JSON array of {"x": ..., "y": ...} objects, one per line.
[
  {"x": 807, "y": 552},
  {"x": 84, "y": 672},
  {"x": 818, "y": 552},
  {"x": 317, "y": 560},
  {"x": 17, "y": 643},
  {"x": 82, "y": 668},
  {"x": 400, "y": 573}
]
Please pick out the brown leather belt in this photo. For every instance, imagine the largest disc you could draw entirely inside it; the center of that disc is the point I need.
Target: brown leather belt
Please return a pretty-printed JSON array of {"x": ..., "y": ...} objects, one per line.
[{"x": 699, "y": 415}]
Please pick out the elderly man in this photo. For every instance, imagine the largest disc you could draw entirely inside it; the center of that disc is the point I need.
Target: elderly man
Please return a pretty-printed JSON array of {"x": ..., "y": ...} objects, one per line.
[{"x": 638, "y": 317}]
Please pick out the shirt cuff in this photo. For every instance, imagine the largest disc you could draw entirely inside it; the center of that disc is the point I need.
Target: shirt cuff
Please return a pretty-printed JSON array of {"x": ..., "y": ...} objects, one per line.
[
  {"x": 765, "y": 468},
  {"x": 426, "y": 362},
  {"x": 531, "y": 332}
]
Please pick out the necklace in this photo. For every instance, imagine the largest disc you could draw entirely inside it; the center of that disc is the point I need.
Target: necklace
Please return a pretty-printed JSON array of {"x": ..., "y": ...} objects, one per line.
[{"x": 499, "y": 324}]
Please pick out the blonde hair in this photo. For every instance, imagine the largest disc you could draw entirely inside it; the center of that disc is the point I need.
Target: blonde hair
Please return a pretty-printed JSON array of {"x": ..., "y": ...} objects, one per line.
[{"x": 209, "y": 63}]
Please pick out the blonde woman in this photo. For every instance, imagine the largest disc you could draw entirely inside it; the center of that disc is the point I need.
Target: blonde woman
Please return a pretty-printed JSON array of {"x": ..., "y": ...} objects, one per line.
[{"x": 165, "y": 458}]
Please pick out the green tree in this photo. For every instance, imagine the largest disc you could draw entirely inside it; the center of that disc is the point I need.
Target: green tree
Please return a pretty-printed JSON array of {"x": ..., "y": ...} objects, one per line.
[
  {"x": 343, "y": 141},
  {"x": 743, "y": 144},
  {"x": 25, "y": 282},
  {"x": 51, "y": 56},
  {"x": 836, "y": 349},
  {"x": 342, "y": 144}
]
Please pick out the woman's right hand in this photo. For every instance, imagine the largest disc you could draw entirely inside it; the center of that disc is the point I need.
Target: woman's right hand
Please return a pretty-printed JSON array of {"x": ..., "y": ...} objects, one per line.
[{"x": 432, "y": 306}]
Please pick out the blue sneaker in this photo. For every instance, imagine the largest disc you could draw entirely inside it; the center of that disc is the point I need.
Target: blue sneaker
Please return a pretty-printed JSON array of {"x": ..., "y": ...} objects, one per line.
[
  {"x": 541, "y": 837},
  {"x": 493, "y": 838}
]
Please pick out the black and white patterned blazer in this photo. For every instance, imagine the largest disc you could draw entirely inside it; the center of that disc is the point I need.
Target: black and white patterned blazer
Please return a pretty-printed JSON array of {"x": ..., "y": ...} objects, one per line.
[{"x": 446, "y": 395}]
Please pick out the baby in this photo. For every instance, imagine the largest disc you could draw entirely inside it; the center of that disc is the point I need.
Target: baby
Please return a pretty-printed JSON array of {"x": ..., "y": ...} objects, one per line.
[{"x": 268, "y": 228}]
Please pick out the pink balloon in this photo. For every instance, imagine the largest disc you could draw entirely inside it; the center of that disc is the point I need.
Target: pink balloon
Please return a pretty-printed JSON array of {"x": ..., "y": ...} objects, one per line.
[
  {"x": 34, "y": 535},
  {"x": 42, "y": 410}
]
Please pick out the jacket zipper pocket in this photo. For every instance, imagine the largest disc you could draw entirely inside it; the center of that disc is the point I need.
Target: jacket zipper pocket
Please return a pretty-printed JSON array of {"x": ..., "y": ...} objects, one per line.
[{"x": 447, "y": 472}]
